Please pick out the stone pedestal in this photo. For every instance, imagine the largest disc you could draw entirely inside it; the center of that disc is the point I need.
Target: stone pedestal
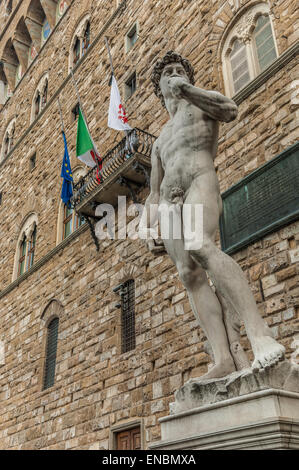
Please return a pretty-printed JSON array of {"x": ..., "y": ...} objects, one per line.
[{"x": 244, "y": 410}]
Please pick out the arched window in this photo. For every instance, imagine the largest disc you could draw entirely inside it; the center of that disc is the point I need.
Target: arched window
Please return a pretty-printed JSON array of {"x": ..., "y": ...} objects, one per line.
[
  {"x": 249, "y": 48},
  {"x": 80, "y": 42},
  {"x": 51, "y": 352},
  {"x": 40, "y": 97},
  {"x": 8, "y": 140},
  {"x": 27, "y": 248},
  {"x": 26, "y": 244}
]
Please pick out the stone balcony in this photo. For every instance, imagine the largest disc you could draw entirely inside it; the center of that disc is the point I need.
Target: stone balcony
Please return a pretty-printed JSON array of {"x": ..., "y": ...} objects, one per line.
[{"x": 125, "y": 169}]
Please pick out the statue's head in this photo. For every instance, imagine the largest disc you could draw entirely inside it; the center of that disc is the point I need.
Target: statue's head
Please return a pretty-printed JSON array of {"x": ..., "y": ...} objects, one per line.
[{"x": 163, "y": 64}]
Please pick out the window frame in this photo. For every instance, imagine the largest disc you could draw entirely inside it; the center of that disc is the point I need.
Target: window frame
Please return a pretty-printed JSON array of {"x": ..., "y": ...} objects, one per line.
[
  {"x": 243, "y": 30},
  {"x": 49, "y": 355},
  {"x": 118, "y": 428}
]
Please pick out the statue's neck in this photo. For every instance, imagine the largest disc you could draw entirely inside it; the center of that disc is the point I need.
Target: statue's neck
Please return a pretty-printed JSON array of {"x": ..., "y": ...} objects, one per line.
[{"x": 172, "y": 105}]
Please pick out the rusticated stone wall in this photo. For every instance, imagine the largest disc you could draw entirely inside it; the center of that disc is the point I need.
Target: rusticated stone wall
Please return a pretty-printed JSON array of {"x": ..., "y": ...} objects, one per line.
[{"x": 96, "y": 386}]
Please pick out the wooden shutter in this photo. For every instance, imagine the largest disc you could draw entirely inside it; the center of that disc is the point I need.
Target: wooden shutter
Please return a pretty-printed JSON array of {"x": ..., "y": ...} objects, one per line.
[
  {"x": 264, "y": 41},
  {"x": 49, "y": 377},
  {"x": 129, "y": 440},
  {"x": 239, "y": 65}
]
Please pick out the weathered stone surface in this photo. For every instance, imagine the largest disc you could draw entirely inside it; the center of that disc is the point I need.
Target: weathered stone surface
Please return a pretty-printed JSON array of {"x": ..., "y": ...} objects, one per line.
[
  {"x": 196, "y": 393},
  {"x": 89, "y": 362}
]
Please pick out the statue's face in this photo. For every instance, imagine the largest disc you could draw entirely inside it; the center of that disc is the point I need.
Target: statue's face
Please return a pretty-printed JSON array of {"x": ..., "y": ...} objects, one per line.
[{"x": 172, "y": 70}]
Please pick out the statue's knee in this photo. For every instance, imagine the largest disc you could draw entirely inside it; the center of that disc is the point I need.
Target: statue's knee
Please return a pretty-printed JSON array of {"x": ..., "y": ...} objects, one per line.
[
  {"x": 187, "y": 276},
  {"x": 203, "y": 254}
]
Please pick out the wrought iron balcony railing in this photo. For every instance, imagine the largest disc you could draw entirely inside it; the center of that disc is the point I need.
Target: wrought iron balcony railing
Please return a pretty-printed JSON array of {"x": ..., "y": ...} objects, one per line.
[{"x": 125, "y": 165}]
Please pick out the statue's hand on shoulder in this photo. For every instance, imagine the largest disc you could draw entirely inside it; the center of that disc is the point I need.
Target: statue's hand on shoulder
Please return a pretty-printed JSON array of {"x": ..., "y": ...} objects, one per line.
[{"x": 176, "y": 85}]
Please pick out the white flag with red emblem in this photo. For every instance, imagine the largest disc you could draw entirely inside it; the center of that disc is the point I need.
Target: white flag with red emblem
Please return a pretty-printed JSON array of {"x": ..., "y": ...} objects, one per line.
[{"x": 117, "y": 118}]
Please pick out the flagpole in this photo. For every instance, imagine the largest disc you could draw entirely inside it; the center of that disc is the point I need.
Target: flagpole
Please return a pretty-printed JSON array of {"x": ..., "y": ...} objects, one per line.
[
  {"x": 60, "y": 112},
  {"x": 82, "y": 110},
  {"x": 112, "y": 72},
  {"x": 109, "y": 54},
  {"x": 79, "y": 99},
  {"x": 63, "y": 129}
]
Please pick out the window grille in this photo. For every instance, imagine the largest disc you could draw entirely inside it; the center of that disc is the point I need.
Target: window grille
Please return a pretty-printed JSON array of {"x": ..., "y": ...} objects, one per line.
[
  {"x": 128, "y": 316},
  {"x": 52, "y": 336}
]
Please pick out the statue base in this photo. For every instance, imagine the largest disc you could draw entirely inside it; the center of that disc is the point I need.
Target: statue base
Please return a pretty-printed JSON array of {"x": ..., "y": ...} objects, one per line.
[{"x": 245, "y": 410}]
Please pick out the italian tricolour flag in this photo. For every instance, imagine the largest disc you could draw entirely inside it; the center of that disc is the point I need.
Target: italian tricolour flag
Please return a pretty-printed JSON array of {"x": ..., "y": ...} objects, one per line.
[{"x": 86, "y": 148}]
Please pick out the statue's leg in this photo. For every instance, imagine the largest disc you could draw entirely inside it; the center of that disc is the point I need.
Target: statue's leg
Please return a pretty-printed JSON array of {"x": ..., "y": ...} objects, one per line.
[
  {"x": 229, "y": 279},
  {"x": 205, "y": 305}
]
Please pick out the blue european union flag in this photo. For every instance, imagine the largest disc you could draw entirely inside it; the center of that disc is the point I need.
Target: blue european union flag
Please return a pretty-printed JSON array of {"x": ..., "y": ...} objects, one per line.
[{"x": 66, "y": 174}]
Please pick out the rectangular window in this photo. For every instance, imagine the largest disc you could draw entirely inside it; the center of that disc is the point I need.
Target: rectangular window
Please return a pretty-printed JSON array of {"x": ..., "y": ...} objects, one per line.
[
  {"x": 67, "y": 222},
  {"x": 52, "y": 337},
  {"x": 129, "y": 440},
  {"x": 132, "y": 37},
  {"x": 131, "y": 86},
  {"x": 128, "y": 339},
  {"x": 75, "y": 112},
  {"x": 32, "y": 162}
]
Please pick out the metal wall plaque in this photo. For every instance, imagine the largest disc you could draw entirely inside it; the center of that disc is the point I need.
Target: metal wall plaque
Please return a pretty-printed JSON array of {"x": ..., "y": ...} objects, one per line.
[{"x": 262, "y": 202}]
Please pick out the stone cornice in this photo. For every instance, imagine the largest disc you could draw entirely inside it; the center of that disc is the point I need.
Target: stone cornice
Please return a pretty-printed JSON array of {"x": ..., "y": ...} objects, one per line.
[
  {"x": 262, "y": 78},
  {"x": 120, "y": 8},
  {"x": 44, "y": 260}
]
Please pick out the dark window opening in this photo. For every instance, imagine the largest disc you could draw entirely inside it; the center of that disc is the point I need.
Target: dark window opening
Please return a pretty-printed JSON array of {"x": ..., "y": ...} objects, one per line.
[
  {"x": 45, "y": 95},
  {"x": 131, "y": 86},
  {"x": 75, "y": 112},
  {"x": 51, "y": 351},
  {"x": 32, "y": 162},
  {"x": 86, "y": 39},
  {"x": 76, "y": 55},
  {"x": 128, "y": 338},
  {"x": 9, "y": 7},
  {"x": 22, "y": 256},
  {"x": 37, "y": 105},
  {"x": 132, "y": 37}
]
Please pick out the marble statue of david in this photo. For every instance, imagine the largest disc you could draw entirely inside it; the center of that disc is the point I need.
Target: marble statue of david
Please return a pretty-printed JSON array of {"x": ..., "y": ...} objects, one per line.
[{"x": 183, "y": 172}]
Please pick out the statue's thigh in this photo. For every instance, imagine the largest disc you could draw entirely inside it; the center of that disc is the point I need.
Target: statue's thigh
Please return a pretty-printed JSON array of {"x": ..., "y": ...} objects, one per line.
[{"x": 204, "y": 192}]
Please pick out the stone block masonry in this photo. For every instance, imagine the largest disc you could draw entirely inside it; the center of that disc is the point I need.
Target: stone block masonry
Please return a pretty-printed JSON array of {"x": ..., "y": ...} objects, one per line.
[{"x": 97, "y": 387}]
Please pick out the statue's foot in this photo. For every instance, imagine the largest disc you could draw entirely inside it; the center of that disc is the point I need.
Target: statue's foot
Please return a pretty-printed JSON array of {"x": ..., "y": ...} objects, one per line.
[
  {"x": 267, "y": 352},
  {"x": 220, "y": 370}
]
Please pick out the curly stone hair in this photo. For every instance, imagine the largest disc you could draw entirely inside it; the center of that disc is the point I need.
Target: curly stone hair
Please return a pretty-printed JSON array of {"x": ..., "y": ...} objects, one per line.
[{"x": 169, "y": 58}]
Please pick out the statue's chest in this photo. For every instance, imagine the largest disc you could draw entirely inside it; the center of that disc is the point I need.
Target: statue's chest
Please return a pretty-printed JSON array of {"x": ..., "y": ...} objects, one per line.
[{"x": 189, "y": 116}]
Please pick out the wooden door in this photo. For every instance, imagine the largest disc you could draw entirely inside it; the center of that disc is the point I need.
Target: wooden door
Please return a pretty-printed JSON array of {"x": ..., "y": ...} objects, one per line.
[{"x": 129, "y": 440}]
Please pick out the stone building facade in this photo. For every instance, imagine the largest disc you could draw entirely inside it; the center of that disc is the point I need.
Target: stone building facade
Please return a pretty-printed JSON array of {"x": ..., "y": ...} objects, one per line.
[{"x": 100, "y": 392}]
